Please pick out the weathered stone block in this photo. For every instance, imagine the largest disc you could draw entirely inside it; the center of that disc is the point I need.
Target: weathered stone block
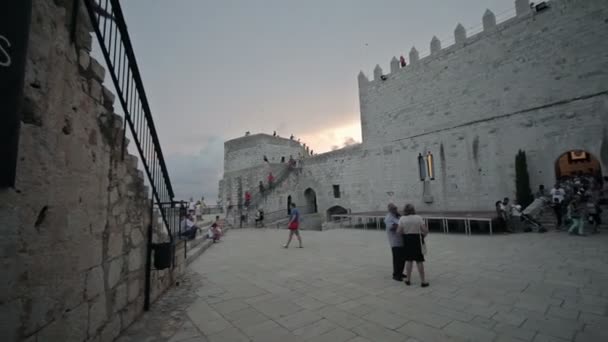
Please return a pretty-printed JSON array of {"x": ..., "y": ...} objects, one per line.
[
  {"x": 84, "y": 60},
  {"x": 135, "y": 259},
  {"x": 97, "y": 70},
  {"x": 134, "y": 289},
  {"x": 114, "y": 272},
  {"x": 97, "y": 314},
  {"x": 94, "y": 282},
  {"x": 136, "y": 237},
  {"x": 120, "y": 297},
  {"x": 111, "y": 330},
  {"x": 114, "y": 195},
  {"x": 131, "y": 312},
  {"x": 95, "y": 90},
  {"x": 71, "y": 326},
  {"x": 115, "y": 245},
  {"x": 89, "y": 252},
  {"x": 108, "y": 99}
]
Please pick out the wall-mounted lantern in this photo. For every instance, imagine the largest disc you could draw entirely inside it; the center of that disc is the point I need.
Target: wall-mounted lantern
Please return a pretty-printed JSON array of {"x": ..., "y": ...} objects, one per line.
[{"x": 421, "y": 167}]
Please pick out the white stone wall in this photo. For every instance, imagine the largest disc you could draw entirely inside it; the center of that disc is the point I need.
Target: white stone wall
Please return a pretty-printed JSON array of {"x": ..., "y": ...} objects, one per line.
[
  {"x": 248, "y": 151},
  {"x": 535, "y": 82},
  {"x": 525, "y": 62},
  {"x": 73, "y": 229}
]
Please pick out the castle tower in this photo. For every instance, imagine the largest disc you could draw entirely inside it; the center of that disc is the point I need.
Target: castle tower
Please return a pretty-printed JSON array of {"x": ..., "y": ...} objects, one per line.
[
  {"x": 460, "y": 34},
  {"x": 377, "y": 72},
  {"x": 489, "y": 20},
  {"x": 363, "y": 80},
  {"x": 394, "y": 65},
  {"x": 435, "y": 45},
  {"x": 414, "y": 56}
]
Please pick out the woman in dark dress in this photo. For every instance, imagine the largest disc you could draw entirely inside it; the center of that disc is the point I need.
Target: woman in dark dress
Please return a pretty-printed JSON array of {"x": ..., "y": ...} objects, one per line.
[{"x": 414, "y": 231}]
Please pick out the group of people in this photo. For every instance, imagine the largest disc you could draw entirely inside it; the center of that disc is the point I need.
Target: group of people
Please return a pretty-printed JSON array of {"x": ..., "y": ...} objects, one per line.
[
  {"x": 579, "y": 198},
  {"x": 189, "y": 228},
  {"x": 573, "y": 200},
  {"x": 406, "y": 235}
]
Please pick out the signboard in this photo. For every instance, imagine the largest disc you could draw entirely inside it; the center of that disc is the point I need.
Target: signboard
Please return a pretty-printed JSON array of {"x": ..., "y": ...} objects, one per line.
[{"x": 14, "y": 32}]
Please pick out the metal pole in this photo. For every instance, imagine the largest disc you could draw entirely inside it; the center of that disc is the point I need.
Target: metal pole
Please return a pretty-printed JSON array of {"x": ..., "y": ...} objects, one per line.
[{"x": 149, "y": 259}]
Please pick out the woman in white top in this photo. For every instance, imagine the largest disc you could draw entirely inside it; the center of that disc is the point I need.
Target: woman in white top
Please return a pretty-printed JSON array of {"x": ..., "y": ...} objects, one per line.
[{"x": 414, "y": 231}]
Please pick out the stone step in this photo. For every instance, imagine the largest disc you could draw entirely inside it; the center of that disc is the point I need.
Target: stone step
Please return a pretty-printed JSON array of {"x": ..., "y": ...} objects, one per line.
[{"x": 198, "y": 246}]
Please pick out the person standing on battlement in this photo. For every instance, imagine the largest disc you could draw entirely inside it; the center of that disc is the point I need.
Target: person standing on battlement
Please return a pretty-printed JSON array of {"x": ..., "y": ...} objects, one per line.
[{"x": 402, "y": 62}]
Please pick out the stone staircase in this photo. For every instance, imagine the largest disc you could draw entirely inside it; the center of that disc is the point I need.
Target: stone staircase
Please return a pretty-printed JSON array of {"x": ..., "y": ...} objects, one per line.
[
  {"x": 200, "y": 244},
  {"x": 232, "y": 216},
  {"x": 548, "y": 220}
]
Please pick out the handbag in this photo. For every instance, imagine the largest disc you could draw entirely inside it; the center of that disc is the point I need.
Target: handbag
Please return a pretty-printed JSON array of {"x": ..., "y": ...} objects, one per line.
[{"x": 422, "y": 243}]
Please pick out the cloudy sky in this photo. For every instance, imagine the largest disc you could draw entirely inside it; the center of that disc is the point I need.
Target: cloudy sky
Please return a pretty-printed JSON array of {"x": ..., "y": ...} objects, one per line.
[{"x": 215, "y": 69}]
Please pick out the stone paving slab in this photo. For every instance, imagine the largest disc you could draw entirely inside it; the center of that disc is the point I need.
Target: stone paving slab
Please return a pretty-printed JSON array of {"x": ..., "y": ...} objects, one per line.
[{"x": 520, "y": 287}]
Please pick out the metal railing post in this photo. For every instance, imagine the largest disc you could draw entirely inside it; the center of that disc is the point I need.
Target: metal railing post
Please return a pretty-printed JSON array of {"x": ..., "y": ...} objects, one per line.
[{"x": 149, "y": 259}]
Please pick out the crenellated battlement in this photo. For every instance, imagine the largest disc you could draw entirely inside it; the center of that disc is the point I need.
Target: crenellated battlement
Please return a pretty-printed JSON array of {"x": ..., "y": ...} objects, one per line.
[
  {"x": 521, "y": 58},
  {"x": 490, "y": 23}
]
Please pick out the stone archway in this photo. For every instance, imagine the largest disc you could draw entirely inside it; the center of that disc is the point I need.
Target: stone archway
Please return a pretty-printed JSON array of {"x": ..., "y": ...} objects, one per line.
[
  {"x": 311, "y": 200},
  {"x": 577, "y": 163},
  {"x": 335, "y": 210}
]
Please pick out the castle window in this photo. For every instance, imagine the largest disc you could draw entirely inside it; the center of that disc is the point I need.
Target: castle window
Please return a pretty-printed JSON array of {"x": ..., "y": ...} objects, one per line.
[{"x": 336, "y": 191}]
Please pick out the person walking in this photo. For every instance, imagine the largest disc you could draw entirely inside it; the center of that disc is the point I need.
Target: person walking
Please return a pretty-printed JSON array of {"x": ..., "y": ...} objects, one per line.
[
  {"x": 557, "y": 200},
  {"x": 391, "y": 221},
  {"x": 247, "y": 199},
  {"x": 575, "y": 214},
  {"x": 414, "y": 231},
  {"x": 294, "y": 225}
]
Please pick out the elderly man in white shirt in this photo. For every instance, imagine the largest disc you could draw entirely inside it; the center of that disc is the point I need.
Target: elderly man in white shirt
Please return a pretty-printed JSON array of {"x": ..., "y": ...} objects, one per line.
[{"x": 391, "y": 221}]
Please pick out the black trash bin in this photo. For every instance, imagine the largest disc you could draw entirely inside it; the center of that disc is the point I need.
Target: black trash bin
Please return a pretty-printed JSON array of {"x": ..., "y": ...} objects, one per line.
[{"x": 163, "y": 255}]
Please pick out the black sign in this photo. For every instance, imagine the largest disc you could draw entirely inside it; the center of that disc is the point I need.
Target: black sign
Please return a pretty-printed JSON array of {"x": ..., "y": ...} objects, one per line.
[{"x": 14, "y": 32}]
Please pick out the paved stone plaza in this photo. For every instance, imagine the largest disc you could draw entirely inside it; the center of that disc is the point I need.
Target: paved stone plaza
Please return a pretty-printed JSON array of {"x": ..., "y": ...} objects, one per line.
[{"x": 521, "y": 287}]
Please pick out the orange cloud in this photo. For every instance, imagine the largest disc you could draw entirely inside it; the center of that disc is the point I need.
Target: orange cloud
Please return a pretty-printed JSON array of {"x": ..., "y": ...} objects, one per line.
[{"x": 328, "y": 139}]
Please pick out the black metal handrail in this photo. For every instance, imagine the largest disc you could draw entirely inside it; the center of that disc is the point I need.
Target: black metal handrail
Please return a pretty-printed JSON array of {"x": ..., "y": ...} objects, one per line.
[{"x": 111, "y": 30}]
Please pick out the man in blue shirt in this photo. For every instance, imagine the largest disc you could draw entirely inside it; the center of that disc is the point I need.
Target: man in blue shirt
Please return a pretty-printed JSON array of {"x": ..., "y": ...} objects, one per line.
[{"x": 391, "y": 221}]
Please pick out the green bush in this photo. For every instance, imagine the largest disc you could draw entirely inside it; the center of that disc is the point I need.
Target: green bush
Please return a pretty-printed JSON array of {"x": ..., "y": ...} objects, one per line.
[{"x": 522, "y": 180}]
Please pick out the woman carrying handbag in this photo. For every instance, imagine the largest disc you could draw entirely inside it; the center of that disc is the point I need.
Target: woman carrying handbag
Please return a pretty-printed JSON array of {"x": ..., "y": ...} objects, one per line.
[{"x": 414, "y": 232}]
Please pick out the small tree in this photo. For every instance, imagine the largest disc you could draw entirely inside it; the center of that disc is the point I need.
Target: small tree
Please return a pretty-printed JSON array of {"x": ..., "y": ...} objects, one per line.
[{"x": 522, "y": 180}]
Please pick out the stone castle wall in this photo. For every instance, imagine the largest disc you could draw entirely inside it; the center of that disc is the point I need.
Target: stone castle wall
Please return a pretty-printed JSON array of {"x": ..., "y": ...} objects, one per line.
[
  {"x": 526, "y": 62},
  {"x": 245, "y": 152},
  {"x": 73, "y": 228},
  {"x": 535, "y": 82}
]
